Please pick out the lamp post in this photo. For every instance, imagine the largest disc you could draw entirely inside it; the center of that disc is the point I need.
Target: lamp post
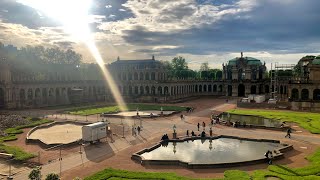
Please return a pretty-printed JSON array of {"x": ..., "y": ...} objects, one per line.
[
  {"x": 174, "y": 131},
  {"x": 122, "y": 128},
  {"x": 140, "y": 121}
]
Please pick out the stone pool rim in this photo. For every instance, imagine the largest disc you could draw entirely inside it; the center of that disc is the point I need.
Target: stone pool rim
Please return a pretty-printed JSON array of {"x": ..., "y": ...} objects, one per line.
[
  {"x": 43, "y": 126},
  {"x": 255, "y": 126},
  {"x": 138, "y": 158}
]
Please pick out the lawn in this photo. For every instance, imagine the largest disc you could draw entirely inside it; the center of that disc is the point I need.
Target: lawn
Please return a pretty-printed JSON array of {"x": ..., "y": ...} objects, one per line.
[
  {"x": 308, "y": 121},
  {"x": 282, "y": 172},
  {"x": 17, "y": 152},
  {"x": 18, "y": 129},
  {"x": 130, "y": 107}
]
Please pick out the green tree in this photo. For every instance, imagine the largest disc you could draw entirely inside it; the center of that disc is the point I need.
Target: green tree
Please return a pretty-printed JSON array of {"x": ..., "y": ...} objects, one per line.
[
  {"x": 204, "y": 66},
  {"x": 52, "y": 176},
  {"x": 35, "y": 174},
  {"x": 179, "y": 63},
  {"x": 219, "y": 75}
]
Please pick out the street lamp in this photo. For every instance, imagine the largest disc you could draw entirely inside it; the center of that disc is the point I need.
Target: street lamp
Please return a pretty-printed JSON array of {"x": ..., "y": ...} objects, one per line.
[
  {"x": 174, "y": 131},
  {"x": 122, "y": 128},
  {"x": 140, "y": 122}
]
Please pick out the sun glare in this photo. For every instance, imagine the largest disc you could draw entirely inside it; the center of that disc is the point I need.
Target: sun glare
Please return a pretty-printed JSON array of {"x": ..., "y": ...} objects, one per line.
[{"x": 74, "y": 15}]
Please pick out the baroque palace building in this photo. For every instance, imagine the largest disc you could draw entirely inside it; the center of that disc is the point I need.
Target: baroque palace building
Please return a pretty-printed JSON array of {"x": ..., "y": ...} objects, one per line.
[{"x": 148, "y": 81}]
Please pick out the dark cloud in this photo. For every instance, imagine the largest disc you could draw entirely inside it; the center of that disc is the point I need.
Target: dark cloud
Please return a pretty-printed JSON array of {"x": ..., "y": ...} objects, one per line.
[
  {"x": 17, "y": 13},
  {"x": 275, "y": 26}
]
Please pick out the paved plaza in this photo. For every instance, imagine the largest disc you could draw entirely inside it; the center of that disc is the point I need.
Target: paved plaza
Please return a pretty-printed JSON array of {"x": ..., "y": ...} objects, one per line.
[{"x": 116, "y": 153}]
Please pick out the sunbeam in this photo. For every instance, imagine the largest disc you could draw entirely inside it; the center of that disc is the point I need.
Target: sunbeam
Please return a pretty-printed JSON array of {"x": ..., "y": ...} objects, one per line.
[{"x": 74, "y": 16}]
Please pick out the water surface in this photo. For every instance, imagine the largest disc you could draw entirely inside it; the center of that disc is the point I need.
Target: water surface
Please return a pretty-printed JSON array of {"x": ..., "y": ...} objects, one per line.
[{"x": 222, "y": 150}]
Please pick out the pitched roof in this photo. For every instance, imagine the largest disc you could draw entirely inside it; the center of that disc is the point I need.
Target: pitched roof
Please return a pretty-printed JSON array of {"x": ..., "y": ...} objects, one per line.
[
  {"x": 143, "y": 61},
  {"x": 250, "y": 61}
]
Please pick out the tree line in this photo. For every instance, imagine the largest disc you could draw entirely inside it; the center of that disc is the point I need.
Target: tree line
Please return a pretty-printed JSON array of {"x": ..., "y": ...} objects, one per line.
[{"x": 178, "y": 68}]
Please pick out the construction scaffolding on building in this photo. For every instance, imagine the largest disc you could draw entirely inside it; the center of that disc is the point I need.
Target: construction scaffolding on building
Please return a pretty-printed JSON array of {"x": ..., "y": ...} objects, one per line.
[{"x": 276, "y": 77}]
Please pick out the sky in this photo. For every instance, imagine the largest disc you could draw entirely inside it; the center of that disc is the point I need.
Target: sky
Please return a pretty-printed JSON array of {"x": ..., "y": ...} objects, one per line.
[{"x": 212, "y": 31}]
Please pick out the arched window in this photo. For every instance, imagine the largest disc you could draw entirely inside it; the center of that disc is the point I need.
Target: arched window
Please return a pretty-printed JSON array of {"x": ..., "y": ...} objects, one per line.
[
  {"x": 316, "y": 94},
  {"x": 153, "y": 76},
  {"x": 141, "y": 76}
]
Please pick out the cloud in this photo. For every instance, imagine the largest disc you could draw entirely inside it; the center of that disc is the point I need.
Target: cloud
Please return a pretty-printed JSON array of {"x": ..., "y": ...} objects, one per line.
[{"x": 200, "y": 30}]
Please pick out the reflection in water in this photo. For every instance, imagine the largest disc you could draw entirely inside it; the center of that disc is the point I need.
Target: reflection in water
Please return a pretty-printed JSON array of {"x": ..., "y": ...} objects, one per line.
[
  {"x": 220, "y": 151},
  {"x": 254, "y": 120}
]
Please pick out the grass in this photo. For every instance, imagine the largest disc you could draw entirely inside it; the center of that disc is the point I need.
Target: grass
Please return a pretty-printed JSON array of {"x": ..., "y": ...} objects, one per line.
[
  {"x": 311, "y": 172},
  {"x": 308, "y": 121},
  {"x": 18, "y": 153},
  {"x": 130, "y": 107},
  {"x": 12, "y": 132},
  {"x": 122, "y": 174}
]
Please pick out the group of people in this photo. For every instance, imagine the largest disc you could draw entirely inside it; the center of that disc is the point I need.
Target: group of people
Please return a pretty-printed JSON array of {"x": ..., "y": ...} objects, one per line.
[
  {"x": 189, "y": 109},
  {"x": 203, "y": 125},
  {"x": 203, "y": 134},
  {"x": 136, "y": 130},
  {"x": 165, "y": 137},
  {"x": 238, "y": 124}
]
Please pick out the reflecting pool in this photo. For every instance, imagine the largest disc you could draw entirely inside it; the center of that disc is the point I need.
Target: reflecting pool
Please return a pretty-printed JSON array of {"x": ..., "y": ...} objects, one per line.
[
  {"x": 253, "y": 120},
  {"x": 215, "y": 151}
]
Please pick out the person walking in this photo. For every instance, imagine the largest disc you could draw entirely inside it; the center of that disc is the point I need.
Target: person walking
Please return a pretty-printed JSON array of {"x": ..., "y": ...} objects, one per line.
[
  {"x": 139, "y": 129},
  {"x": 181, "y": 116},
  {"x": 204, "y": 125},
  {"x": 288, "y": 132},
  {"x": 198, "y": 126},
  {"x": 188, "y": 133}
]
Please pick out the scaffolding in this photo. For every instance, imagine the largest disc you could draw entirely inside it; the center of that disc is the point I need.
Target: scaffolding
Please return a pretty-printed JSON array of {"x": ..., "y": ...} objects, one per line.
[{"x": 275, "y": 78}]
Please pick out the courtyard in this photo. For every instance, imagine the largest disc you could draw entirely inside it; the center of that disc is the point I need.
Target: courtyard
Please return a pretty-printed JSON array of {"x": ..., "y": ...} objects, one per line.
[{"x": 116, "y": 153}]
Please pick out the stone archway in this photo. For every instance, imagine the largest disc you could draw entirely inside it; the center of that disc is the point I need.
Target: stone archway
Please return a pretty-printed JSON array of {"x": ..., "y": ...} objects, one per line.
[
  {"x": 141, "y": 90},
  {"x": 220, "y": 88},
  {"x": 241, "y": 90},
  {"x": 214, "y": 88},
  {"x": 1, "y": 97},
  {"x": 159, "y": 90},
  {"x": 295, "y": 94},
  {"x": 266, "y": 89},
  {"x": 316, "y": 94},
  {"x": 136, "y": 90},
  {"x": 253, "y": 89},
  {"x": 229, "y": 90},
  {"x": 153, "y": 90}
]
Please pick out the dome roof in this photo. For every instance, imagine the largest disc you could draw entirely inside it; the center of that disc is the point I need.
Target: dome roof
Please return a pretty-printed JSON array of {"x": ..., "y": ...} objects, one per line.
[{"x": 316, "y": 61}]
